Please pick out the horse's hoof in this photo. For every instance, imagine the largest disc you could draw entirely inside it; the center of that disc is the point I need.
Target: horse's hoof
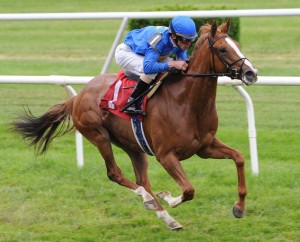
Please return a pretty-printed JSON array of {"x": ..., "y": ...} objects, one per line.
[
  {"x": 151, "y": 205},
  {"x": 237, "y": 212},
  {"x": 175, "y": 226},
  {"x": 164, "y": 194}
]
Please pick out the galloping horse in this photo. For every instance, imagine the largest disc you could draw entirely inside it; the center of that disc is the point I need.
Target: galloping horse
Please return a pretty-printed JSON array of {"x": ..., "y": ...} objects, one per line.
[{"x": 181, "y": 121}]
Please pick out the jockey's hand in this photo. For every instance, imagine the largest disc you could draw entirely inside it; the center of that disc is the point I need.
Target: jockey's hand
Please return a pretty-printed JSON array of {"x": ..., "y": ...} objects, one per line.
[{"x": 178, "y": 64}]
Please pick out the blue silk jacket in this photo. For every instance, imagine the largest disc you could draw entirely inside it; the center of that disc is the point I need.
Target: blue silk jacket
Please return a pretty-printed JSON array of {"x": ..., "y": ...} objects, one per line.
[{"x": 138, "y": 39}]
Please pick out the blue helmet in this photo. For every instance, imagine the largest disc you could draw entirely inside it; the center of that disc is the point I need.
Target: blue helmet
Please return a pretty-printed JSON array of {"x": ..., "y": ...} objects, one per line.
[{"x": 183, "y": 26}]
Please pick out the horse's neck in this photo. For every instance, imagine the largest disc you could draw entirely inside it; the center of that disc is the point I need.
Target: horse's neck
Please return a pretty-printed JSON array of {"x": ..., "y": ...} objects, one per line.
[
  {"x": 202, "y": 89},
  {"x": 201, "y": 61},
  {"x": 191, "y": 96},
  {"x": 196, "y": 95}
]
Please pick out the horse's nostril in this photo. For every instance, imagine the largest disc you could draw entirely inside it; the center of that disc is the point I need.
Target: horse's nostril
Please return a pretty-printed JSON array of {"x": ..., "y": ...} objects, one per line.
[{"x": 249, "y": 73}]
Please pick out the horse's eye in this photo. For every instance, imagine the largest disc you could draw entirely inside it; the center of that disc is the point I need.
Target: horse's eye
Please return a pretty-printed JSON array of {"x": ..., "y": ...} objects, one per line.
[{"x": 223, "y": 51}]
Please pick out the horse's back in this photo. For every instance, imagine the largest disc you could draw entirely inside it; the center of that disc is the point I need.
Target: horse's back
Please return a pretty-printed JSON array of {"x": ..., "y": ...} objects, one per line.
[
  {"x": 95, "y": 89},
  {"x": 86, "y": 104},
  {"x": 98, "y": 85}
]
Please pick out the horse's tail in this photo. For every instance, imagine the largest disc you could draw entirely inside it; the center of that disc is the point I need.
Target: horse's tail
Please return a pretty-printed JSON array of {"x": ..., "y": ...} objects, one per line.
[{"x": 41, "y": 130}]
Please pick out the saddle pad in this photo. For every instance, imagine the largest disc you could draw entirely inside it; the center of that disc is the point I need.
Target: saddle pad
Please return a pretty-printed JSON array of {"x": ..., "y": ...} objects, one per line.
[{"x": 117, "y": 95}]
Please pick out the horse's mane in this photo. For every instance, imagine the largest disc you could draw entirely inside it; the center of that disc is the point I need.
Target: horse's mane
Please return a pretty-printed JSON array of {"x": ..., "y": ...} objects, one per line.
[
  {"x": 205, "y": 30},
  {"x": 207, "y": 27}
]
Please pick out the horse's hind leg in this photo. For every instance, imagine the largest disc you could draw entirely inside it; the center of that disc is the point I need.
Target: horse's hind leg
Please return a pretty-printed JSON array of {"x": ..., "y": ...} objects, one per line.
[
  {"x": 218, "y": 150},
  {"x": 91, "y": 126},
  {"x": 101, "y": 139}
]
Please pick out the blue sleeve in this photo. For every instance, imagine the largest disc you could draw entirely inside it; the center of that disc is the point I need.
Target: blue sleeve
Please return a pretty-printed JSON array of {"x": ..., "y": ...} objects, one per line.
[{"x": 151, "y": 64}]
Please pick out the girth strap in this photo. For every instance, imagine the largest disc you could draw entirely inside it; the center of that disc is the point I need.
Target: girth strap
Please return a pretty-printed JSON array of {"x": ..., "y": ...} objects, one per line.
[{"x": 138, "y": 131}]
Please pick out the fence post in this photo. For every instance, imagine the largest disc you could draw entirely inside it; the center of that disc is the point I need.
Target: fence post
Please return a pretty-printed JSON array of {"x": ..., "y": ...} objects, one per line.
[
  {"x": 251, "y": 129},
  {"x": 114, "y": 45},
  {"x": 78, "y": 136}
]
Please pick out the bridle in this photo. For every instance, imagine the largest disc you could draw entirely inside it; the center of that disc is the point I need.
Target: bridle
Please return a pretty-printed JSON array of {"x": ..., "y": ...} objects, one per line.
[{"x": 232, "y": 73}]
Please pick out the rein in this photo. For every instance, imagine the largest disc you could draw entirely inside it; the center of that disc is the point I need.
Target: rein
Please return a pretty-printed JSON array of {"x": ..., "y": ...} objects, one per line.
[{"x": 232, "y": 73}]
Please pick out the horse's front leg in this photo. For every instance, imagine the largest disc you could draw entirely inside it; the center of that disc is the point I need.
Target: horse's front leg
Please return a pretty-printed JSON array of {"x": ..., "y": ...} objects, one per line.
[
  {"x": 218, "y": 150},
  {"x": 172, "y": 165},
  {"x": 140, "y": 166}
]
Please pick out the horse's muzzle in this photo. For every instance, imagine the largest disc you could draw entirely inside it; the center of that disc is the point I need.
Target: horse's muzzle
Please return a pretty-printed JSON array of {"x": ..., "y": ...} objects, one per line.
[{"x": 249, "y": 77}]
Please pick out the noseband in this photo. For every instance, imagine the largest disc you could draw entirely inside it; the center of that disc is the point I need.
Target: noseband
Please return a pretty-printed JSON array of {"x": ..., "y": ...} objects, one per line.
[{"x": 232, "y": 73}]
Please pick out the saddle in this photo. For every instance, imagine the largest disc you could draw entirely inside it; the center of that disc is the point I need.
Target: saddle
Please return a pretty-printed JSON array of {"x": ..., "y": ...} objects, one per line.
[{"x": 115, "y": 99}]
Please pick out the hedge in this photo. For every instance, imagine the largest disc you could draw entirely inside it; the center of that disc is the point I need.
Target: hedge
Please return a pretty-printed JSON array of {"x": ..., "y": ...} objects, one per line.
[{"x": 234, "y": 31}]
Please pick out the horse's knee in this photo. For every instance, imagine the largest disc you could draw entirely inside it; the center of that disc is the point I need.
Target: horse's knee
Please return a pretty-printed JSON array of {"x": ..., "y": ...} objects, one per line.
[{"x": 239, "y": 159}]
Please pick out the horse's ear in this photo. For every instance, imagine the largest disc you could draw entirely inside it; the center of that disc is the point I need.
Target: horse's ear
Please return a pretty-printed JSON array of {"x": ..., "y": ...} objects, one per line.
[
  {"x": 228, "y": 24},
  {"x": 224, "y": 27},
  {"x": 213, "y": 28}
]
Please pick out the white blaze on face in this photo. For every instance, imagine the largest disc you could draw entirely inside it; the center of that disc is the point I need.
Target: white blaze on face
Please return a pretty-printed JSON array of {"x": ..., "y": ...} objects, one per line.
[{"x": 238, "y": 52}]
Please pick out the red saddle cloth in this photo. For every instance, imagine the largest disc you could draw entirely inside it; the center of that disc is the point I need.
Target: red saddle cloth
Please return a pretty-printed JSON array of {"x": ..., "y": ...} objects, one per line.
[{"x": 117, "y": 95}]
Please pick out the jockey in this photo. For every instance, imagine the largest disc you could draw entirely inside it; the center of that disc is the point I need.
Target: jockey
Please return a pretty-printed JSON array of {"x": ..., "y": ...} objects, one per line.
[{"x": 146, "y": 52}]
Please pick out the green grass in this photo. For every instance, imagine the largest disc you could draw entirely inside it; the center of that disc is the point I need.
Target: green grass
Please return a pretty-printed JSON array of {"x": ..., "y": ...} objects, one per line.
[{"x": 49, "y": 199}]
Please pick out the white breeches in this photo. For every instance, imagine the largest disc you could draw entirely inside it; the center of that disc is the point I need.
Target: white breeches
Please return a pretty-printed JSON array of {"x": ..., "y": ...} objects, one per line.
[{"x": 128, "y": 60}]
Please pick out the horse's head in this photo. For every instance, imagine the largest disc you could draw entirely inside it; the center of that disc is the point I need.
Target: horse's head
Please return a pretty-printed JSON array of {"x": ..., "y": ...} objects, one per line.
[{"x": 225, "y": 53}]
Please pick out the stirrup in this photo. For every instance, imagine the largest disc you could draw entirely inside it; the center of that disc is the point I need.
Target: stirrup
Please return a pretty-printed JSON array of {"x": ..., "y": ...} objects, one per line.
[{"x": 134, "y": 110}]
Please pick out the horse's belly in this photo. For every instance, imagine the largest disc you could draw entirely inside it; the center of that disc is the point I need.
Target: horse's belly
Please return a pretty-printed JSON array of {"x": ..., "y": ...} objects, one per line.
[{"x": 193, "y": 146}]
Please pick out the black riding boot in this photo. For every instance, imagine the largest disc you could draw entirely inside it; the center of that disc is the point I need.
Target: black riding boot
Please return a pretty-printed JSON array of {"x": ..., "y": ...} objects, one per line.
[{"x": 139, "y": 89}]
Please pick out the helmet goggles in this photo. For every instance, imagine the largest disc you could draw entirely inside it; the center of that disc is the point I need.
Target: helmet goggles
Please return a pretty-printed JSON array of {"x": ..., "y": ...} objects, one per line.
[{"x": 185, "y": 40}]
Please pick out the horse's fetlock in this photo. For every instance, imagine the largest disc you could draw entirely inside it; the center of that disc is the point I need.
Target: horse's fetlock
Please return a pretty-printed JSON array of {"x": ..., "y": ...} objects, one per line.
[{"x": 242, "y": 193}]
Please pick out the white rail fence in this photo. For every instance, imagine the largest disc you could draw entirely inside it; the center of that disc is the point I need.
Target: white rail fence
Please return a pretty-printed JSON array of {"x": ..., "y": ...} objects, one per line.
[
  {"x": 125, "y": 16},
  {"x": 66, "y": 81}
]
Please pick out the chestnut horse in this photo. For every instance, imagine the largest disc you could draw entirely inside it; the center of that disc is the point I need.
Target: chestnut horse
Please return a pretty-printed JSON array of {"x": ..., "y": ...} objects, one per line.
[{"x": 181, "y": 121}]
